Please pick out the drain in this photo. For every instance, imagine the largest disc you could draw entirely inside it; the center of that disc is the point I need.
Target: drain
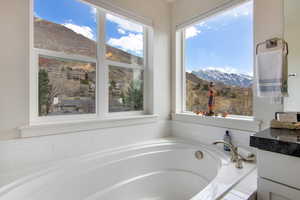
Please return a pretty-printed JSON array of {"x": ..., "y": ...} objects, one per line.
[{"x": 199, "y": 155}]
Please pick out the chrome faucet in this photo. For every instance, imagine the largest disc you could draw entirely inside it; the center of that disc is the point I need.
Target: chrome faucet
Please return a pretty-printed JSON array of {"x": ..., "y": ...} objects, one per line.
[{"x": 235, "y": 157}]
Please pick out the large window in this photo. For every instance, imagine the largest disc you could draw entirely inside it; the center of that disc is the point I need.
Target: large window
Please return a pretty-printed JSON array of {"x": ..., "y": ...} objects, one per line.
[
  {"x": 86, "y": 60},
  {"x": 218, "y": 50}
]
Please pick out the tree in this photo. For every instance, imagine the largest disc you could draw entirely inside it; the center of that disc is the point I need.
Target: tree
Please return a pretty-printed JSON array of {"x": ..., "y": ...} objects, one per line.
[
  {"x": 134, "y": 97},
  {"x": 43, "y": 91},
  {"x": 113, "y": 84},
  {"x": 52, "y": 92}
]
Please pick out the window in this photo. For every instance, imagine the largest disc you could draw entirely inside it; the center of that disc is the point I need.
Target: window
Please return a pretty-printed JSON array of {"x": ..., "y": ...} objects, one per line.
[
  {"x": 125, "y": 58},
  {"x": 219, "y": 50},
  {"x": 85, "y": 61}
]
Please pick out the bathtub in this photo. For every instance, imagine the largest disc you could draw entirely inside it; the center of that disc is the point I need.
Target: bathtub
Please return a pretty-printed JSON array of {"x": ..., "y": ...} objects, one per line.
[{"x": 164, "y": 169}]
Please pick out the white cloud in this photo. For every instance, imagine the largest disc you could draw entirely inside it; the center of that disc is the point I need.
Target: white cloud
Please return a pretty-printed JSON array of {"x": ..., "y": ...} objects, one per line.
[
  {"x": 201, "y": 24},
  {"x": 204, "y": 26},
  {"x": 93, "y": 10},
  {"x": 131, "y": 42},
  {"x": 121, "y": 31},
  {"x": 125, "y": 24},
  {"x": 83, "y": 30},
  {"x": 37, "y": 15},
  {"x": 191, "y": 32},
  {"x": 243, "y": 10}
]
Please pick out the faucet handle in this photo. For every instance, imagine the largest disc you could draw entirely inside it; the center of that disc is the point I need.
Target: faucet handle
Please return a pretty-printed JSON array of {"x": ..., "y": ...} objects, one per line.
[{"x": 239, "y": 163}]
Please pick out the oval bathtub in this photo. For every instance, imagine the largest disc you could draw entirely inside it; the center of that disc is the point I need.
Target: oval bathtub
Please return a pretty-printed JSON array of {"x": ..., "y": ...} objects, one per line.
[{"x": 164, "y": 169}]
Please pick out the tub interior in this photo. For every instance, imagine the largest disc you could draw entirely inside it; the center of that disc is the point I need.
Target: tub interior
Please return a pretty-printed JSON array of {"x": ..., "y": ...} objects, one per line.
[{"x": 165, "y": 172}]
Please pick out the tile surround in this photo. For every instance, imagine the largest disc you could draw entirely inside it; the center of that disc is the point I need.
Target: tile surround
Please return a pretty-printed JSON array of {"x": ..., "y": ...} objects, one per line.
[
  {"x": 209, "y": 134},
  {"x": 23, "y": 153}
]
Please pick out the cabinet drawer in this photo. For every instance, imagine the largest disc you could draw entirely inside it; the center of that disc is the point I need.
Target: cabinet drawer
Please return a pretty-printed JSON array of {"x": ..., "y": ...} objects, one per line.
[
  {"x": 268, "y": 190},
  {"x": 279, "y": 168}
]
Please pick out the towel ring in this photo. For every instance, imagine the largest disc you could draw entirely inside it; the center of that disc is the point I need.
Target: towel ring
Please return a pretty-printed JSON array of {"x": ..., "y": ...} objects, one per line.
[{"x": 272, "y": 43}]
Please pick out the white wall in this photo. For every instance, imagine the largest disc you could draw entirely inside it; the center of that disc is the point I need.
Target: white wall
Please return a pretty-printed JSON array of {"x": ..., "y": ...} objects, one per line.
[
  {"x": 14, "y": 59},
  {"x": 292, "y": 32},
  {"x": 268, "y": 23}
]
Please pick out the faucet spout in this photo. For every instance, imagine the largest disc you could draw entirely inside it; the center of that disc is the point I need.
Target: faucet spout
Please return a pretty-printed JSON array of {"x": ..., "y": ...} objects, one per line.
[{"x": 235, "y": 157}]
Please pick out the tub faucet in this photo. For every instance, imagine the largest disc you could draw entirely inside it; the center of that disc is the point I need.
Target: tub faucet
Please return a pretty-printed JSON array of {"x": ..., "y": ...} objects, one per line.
[{"x": 235, "y": 157}]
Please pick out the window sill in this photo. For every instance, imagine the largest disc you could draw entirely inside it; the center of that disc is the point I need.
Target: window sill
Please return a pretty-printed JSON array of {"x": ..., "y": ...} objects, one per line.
[
  {"x": 84, "y": 125},
  {"x": 234, "y": 122}
]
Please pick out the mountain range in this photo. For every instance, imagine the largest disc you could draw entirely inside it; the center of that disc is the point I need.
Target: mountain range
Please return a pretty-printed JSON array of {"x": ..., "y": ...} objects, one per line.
[{"x": 232, "y": 79}]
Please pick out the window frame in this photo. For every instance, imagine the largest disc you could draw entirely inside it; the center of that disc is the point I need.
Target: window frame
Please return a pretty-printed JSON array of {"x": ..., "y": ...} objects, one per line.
[
  {"x": 143, "y": 67},
  {"x": 180, "y": 63},
  {"x": 102, "y": 72}
]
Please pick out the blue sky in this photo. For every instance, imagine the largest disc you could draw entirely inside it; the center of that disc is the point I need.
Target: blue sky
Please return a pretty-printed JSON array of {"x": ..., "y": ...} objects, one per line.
[
  {"x": 223, "y": 42},
  {"x": 81, "y": 18}
]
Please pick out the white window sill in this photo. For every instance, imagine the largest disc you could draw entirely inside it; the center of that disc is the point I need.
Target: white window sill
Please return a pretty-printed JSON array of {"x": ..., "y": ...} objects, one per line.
[
  {"x": 84, "y": 125},
  {"x": 232, "y": 122}
]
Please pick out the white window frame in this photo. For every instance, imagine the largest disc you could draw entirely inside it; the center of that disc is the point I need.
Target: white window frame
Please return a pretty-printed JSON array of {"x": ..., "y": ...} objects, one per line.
[
  {"x": 180, "y": 52},
  {"x": 102, "y": 72},
  {"x": 128, "y": 66}
]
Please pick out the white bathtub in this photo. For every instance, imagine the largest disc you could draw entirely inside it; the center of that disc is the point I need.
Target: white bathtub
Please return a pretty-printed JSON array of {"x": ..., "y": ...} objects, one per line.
[{"x": 158, "y": 170}]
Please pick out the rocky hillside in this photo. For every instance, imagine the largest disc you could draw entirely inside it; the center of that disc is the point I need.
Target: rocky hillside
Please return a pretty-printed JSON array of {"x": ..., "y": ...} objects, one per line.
[
  {"x": 232, "y": 99},
  {"x": 56, "y": 37}
]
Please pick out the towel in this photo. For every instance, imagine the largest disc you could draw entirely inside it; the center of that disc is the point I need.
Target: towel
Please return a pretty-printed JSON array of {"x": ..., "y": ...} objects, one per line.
[{"x": 271, "y": 69}]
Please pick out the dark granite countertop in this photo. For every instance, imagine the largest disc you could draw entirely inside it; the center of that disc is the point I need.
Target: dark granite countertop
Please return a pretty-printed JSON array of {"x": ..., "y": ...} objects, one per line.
[{"x": 282, "y": 141}]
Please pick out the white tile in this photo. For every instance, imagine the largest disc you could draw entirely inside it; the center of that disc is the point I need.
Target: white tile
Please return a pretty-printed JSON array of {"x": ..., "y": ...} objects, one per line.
[
  {"x": 231, "y": 196},
  {"x": 240, "y": 194},
  {"x": 208, "y": 134}
]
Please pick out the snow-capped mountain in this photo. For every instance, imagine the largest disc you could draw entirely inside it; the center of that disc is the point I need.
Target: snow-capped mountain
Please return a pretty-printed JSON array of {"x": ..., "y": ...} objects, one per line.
[{"x": 235, "y": 79}]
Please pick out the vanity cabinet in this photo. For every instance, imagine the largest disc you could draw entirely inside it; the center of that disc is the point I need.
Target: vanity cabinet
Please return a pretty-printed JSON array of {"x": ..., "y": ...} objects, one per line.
[{"x": 278, "y": 164}]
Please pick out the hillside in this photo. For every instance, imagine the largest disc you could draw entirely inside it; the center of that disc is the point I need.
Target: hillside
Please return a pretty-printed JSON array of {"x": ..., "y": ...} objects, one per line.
[
  {"x": 56, "y": 37},
  {"x": 69, "y": 87},
  {"x": 232, "y": 99}
]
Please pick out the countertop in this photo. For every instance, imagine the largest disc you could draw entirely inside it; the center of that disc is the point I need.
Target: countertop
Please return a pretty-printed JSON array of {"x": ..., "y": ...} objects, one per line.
[{"x": 282, "y": 141}]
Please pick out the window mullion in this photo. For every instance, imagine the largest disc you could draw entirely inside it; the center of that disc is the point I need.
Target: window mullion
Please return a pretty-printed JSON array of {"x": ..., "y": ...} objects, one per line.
[
  {"x": 102, "y": 75},
  {"x": 145, "y": 64},
  {"x": 63, "y": 55},
  {"x": 183, "y": 77},
  {"x": 124, "y": 65},
  {"x": 34, "y": 89},
  {"x": 149, "y": 71}
]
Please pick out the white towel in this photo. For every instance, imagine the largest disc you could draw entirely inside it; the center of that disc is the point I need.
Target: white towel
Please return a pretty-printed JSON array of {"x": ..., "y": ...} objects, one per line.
[{"x": 271, "y": 74}]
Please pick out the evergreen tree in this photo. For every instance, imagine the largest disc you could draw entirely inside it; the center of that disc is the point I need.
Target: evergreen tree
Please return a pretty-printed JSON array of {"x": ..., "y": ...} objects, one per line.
[
  {"x": 135, "y": 96},
  {"x": 43, "y": 91}
]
